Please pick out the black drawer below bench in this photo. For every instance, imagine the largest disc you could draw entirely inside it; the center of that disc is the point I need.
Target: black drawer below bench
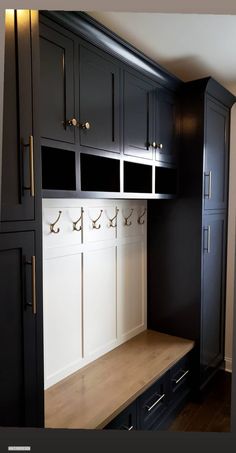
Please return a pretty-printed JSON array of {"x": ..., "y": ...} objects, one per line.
[{"x": 157, "y": 406}]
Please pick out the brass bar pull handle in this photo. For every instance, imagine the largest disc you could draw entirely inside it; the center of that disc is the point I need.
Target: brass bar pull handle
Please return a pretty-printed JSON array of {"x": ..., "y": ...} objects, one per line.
[
  {"x": 34, "y": 300},
  {"x": 149, "y": 408},
  {"x": 209, "y": 192},
  {"x": 207, "y": 230},
  {"x": 30, "y": 145},
  {"x": 176, "y": 381},
  {"x": 31, "y": 152},
  {"x": 208, "y": 239},
  {"x": 52, "y": 225},
  {"x": 141, "y": 222}
]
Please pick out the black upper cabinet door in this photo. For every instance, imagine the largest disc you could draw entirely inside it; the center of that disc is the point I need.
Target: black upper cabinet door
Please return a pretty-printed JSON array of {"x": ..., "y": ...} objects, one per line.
[
  {"x": 165, "y": 125},
  {"x": 138, "y": 117},
  {"x": 216, "y": 155},
  {"x": 99, "y": 102},
  {"x": 18, "y": 376},
  {"x": 18, "y": 159},
  {"x": 57, "y": 92},
  {"x": 212, "y": 313}
]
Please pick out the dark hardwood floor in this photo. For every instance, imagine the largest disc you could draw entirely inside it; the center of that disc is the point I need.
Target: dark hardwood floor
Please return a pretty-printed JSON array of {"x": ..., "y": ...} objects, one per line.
[{"x": 212, "y": 414}]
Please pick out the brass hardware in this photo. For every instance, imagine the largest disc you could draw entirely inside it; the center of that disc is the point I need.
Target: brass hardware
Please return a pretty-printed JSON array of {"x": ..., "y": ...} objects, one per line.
[
  {"x": 139, "y": 218},
  {"x": 34, "y": 304},
  {"x": 85, "y": 125},
  {"x": 111, "y": 225},
  {"x": 75, "y": 223},
  {"x": 73, "y": 122},
  {"x": 209, "y": 194},
  {"x": 208, "y": 239},
  {"x": 149, "y": 408},
  {"x": 52, "y": 225},
  {"x": 127, "y": 218},
  {"x": 30, "y": 145},
  {"x": 176, "y": 381},
  {"x": 95, "y": 221},
  {"x": 157, "y": 145}
]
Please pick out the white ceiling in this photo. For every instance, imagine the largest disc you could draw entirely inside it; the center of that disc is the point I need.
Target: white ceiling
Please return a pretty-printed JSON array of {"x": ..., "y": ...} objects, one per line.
[{"x": 189, "y": 45}]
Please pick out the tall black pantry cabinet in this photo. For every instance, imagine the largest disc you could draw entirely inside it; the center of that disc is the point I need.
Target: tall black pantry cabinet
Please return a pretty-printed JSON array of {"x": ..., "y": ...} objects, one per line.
[
  {"x": 187, "y": 236},
  {"x": 21, "y": 345}
]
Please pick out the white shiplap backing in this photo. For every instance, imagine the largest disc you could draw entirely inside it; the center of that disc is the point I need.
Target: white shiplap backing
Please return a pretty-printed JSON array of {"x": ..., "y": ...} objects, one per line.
[{"x": 94, "y": 283}]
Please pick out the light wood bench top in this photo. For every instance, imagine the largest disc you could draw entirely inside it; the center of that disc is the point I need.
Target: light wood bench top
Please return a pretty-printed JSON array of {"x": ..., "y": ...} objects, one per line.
[{"x": 94, "y": 395}]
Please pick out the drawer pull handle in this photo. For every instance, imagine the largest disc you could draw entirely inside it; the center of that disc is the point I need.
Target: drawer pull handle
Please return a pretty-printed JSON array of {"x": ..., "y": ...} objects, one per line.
[
  {"x": 181, "y": 377},
  {"x": 149, "y": 408},
  {"x": 127, "y": 428},
  {"x": 209, "y": 193}
]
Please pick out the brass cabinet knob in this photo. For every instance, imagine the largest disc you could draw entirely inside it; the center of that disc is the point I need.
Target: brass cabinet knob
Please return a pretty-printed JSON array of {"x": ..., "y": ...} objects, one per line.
[
  {"x": 157, "y": 145},
  {"x": 86, "y": 125},
  {"x": 73, "y": 122}
]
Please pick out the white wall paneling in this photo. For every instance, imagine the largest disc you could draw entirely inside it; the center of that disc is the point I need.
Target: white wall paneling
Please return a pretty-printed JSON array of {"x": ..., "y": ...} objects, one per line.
[{"x": 94, "y": 280}]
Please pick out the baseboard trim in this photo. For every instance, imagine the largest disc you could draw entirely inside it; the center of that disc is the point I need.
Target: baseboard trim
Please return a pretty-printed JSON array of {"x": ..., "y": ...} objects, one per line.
[{"x": 228, "y": 364}]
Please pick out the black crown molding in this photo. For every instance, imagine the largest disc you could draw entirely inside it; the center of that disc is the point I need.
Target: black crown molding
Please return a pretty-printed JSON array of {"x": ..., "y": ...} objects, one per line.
[{"x": 88, "y": 28}]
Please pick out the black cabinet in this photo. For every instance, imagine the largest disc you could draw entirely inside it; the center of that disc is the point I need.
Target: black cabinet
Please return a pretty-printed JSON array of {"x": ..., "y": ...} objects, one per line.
[
  {"x": 138, "y": 121},
  {"x": 126, "y": 420},
  {"x": 21, "y": 346},
  {"x": 18, "y": 186},
  {"x": 213, "y": 297},
  {"x": 216, "y": 155},
  {"x": 57, "y": 85},
  {"x": 166, "y": 125},
  {"x": 99, "y": 81},
  {"x": 187, "y": 237},
  {"x": 18, "y": 310}
]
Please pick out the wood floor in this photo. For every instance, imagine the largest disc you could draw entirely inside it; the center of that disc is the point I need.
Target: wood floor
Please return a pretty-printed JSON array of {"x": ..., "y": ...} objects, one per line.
[{"x": 212, "y": 414}]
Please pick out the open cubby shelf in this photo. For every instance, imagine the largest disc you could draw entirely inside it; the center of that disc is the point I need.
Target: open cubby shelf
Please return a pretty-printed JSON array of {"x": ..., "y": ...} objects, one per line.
[
  {"x": 166, "y": 180},
  {"x": 137, "y": 178},
  {"x": 99, "y": 174},
  {"x": 58, "y": 169}
]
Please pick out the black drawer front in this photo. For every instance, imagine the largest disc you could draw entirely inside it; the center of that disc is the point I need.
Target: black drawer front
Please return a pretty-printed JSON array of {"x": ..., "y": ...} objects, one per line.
[
  {"x": 126, "y": 420},
  {"x": 181, "y": 377},
  {"x": 153, "y": 404}
]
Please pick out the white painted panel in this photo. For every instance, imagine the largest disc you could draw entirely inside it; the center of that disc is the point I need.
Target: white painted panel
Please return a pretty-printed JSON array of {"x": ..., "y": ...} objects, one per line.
[
  {"x": 99, "y": 290},
  {"x": 62, "y": 317},
  {"x": 66, "y": 235},
  {"x": 131, "y": 288},
  {"x": 104, "y": 232}
]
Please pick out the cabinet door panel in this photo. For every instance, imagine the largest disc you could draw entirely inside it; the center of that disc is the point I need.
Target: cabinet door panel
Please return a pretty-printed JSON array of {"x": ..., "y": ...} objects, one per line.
[
  {"x": 57, "y": 93},
  {"x": 165, "y": 127},
  {"x": 99, "y": 102},
  {"x": 138, "y": 117},
  {"x": 17, "y": 201},
  {"x": 213, "y": 291},
  {"x": 216, "y": 156},
  {"x": 18, "y": 376}
]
